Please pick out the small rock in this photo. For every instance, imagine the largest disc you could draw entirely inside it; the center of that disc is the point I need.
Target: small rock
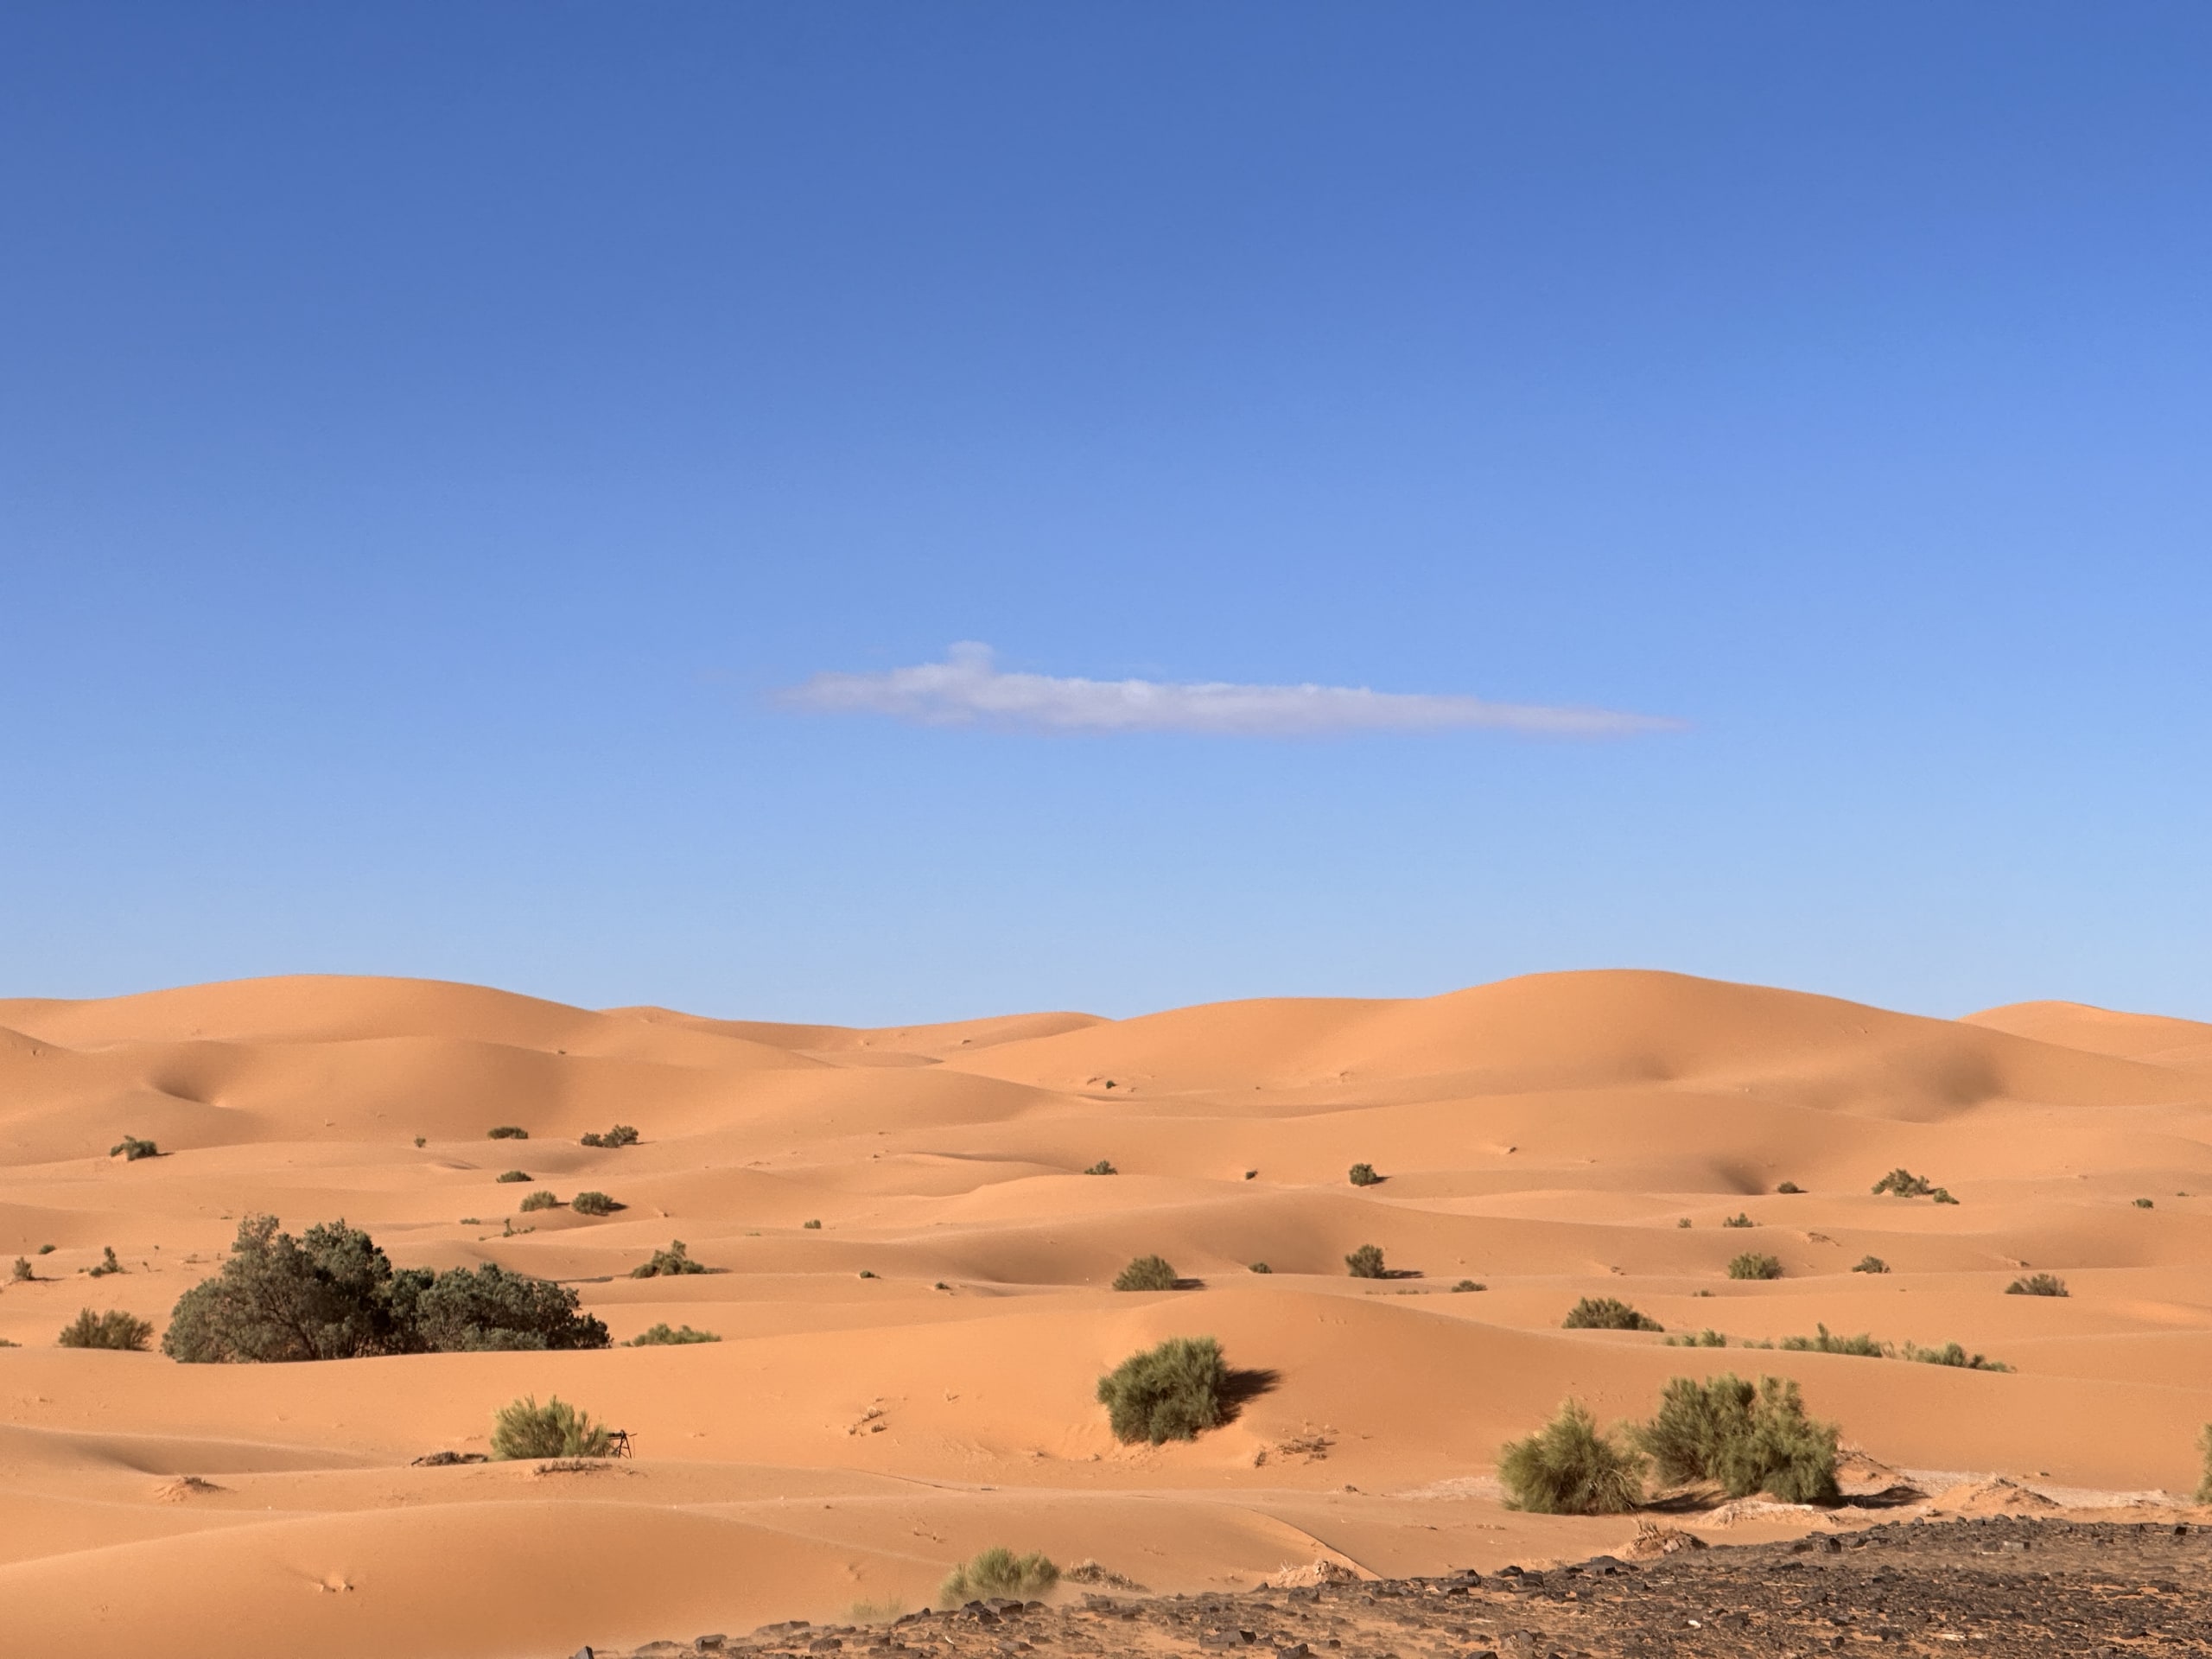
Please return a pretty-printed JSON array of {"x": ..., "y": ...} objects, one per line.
[{"x": 710, "y": 1644}]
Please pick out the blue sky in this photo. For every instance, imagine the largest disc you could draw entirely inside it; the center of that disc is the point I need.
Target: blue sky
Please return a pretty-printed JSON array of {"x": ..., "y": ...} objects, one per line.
[{"x": 442, "y": 447}]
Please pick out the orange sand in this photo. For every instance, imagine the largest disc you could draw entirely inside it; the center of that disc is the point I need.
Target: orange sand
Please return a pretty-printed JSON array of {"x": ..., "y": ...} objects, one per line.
[{"x": 850, "y": 1438}]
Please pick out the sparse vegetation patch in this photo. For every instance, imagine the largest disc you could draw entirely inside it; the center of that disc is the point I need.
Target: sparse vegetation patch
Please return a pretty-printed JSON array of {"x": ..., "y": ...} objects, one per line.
[
  {"x": 674, "y": 1260},
  {"x": 1101, "y": 1167},
  {"x": 512, "y": 1175},
  {"x": 663, "y": 1336},
  {"x": 130, "y": 1149},
  {"x": 1871, "y": 1264},
  {"x": 1607, "y": 1314},
  {"x": 1906, "y": 1184},
  {"x": 998, "y": 1572},
  {"x": 2037, "y": 1284},
  {"x": 621, "y": 1135},
  {"x": 506, "y": 1132},
  {"x": 1951, "y": 1354},
  {"x": 1753, "y": 1265},
  {"x": 113, "y": 1329}
]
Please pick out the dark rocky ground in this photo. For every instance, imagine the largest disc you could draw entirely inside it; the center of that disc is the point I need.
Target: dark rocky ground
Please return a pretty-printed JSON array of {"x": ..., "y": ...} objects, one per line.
[{"x": 2022, "y": 1589}]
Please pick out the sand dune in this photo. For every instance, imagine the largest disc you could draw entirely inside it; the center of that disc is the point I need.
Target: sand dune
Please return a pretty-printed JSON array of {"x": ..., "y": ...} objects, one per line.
[{"x": 852, "y": 1436}]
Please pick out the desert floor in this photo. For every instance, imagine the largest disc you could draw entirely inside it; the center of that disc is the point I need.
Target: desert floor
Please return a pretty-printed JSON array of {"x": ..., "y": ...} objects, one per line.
[{"x": 913, "y": 1379}]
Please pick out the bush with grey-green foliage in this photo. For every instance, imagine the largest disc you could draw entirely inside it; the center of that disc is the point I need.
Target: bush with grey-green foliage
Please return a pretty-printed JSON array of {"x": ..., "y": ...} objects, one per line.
[
  {"x": 673, "y": 1262},
  {"x": 1571, "y": 1466},
  {"x": 540, "y": 1199},
  {"x": 1754, "y": 1265},
  {"x": 1364, "y": 1175},
  {"x": 1146, "y": 1273},
  {"x": 1173, "y": 1392},
  {"x": 1366, "y": 1262},
  {"x": 1607, "y": 1314},
  {"x": 998, "y": 1572},
  {"x": 115, "y": 1329},
  {"x": 662, "y": 1336},
  {"x": 594, "y": 1203},
  {"x": 522, "y": 1428},
  {"x": 1747, "y": 1438},
  {"x": 621, "y": 1135},
  {"x": 2037, "y": 1284},
  {"x": 130, "y": 1149},
  {"x": 333, "y": 1293},
  {"x": 506, "y": 1132}
]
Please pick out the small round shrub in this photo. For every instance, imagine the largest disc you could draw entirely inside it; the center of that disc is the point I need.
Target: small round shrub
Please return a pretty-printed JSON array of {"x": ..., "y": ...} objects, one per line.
[
  {"x": 522, "y": 1428},
  {"x": 1173, "y": 1392},
  {"x": 1364, "y": 1175},
  {"x": 540, "y": 1199},
  {"x": 1871, "y": 1264},
  {"x": 1607, "y": 1314},
  {"x": 1101, "y": 1167},
  {"x": 506, "y": 1132},
  {"x": 130, "y": 1149},
  {"x": 621, "y": 1135},
  {"x": 1469, "y": 1284},
  {"x": 2037, "y": 1284},
  {"x": 510, "y": 1175},
  {"x": 1366, "y": 1262},
  {"x": 2142, "y": 1204},
  {"x": 1740, "y": 1219},
  {"x": 1146, "y": 1273},
  {"x": 995, "y": 1573},
  {"x": 1571, "y": 1467},
  {"x": 594, "y": 1203},
  {"x": 1789, "y": 1187},
  {"x": 114, "y": 1329},
  {"x": 422, "y": 1141},
  {"x": 1262, "y": 1267},
  {"x": 811, "y": 1226},
  {"x": 1753, "y": 1265}
]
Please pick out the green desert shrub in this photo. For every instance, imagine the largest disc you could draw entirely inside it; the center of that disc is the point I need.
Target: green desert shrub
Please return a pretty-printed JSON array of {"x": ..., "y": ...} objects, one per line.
[
  {"x": 594, "y": 1203},
  {"x": 1607, "y": 1314},
  {"x": 1740, "y": 1219},
  {"x": 1951, "y": 1354},
  {"x": 2143, "y": 1203},
  {"x": 663, "y": 1336},
  {"x": 1366, "y": 1262},
  {"x": 1707, "y": 1338},
  {"x": 332, "y": 1293},
  {"x": 1101, "y": 1167},
  {"x": 1789, "y": 1187},
  {"x": 1748, "y": 1439},
  {"x": 1871, "y": 1264},
  {"x": 1469, "y": 1284},
  {"x": 540, "y": 1199},
  {"x": 1262, "y": 1267},
  {"x": 113, "y": 1329},
  {"x": 1363, "y": 1175},
  {"x": 1146, "y": 1273},
  {"x": 506, "y": 1132},
  {"x": 522, "y": 1428},
  {"x": 106, "y": 1264},
  {"x": 1173, "y": 1392},
  {"x": 45, "y": 1249},
  {"x": 130, "y": 1149},
  {"x": 512, "y": 1175},
  {"x": 621, "y": 1135},
  {"x": 2204, "y": 1445},
  {"x": 670, "y": 1262},
  {"x": 811, "y": 1226},
  {"x": 20, "y": 1273},
  {"x": 1902, "y": 1182},
  {"x": 2037, "y": 1284},
  {"x": 1753, "y": 1265},
  {"x": 998, "y": 1572},
  {"x": 1862, "y": 1345},
  {"x": 1570, "y": 1467}
]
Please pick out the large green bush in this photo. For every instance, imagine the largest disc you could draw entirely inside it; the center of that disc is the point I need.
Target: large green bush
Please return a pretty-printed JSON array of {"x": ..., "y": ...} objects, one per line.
[
  {"x": 1366, "y": 1262},
  {"x": 998, "y": 1572},
  {"x": 113, "y": 1329},
  {"x": 1607, "y": 1314},
  {"x": 1570, "y": 1467},
  {"x": 1169, "y": 1393},
  {"x": 1748, "y": 1439},
  {"x": 522, "y": 1428},
  {"x": 1146, "y": 1273},
  {"x": 594, "y": 1203},
  {"x": 333, "y": 1294}
]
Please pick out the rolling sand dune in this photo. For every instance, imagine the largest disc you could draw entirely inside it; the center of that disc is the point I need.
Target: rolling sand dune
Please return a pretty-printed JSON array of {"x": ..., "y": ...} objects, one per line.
[{"x": 912, "y": 1379}]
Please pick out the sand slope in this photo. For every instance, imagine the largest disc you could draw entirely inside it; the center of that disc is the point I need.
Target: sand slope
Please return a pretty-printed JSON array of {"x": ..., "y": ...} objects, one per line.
[{"x": 851, "y": 1436}]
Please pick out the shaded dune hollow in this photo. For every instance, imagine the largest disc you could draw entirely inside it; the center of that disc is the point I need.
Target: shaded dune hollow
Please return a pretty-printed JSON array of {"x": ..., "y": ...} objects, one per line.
[{"x": 911, "y": 1275}]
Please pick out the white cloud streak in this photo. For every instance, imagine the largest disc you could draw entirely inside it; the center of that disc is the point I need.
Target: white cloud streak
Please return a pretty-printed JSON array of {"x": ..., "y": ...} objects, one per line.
[{"x": 967, "y": 689}]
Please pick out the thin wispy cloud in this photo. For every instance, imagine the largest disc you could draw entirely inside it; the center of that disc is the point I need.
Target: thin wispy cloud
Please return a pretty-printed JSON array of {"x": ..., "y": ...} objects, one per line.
[{"x": 967, "y": 689}]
